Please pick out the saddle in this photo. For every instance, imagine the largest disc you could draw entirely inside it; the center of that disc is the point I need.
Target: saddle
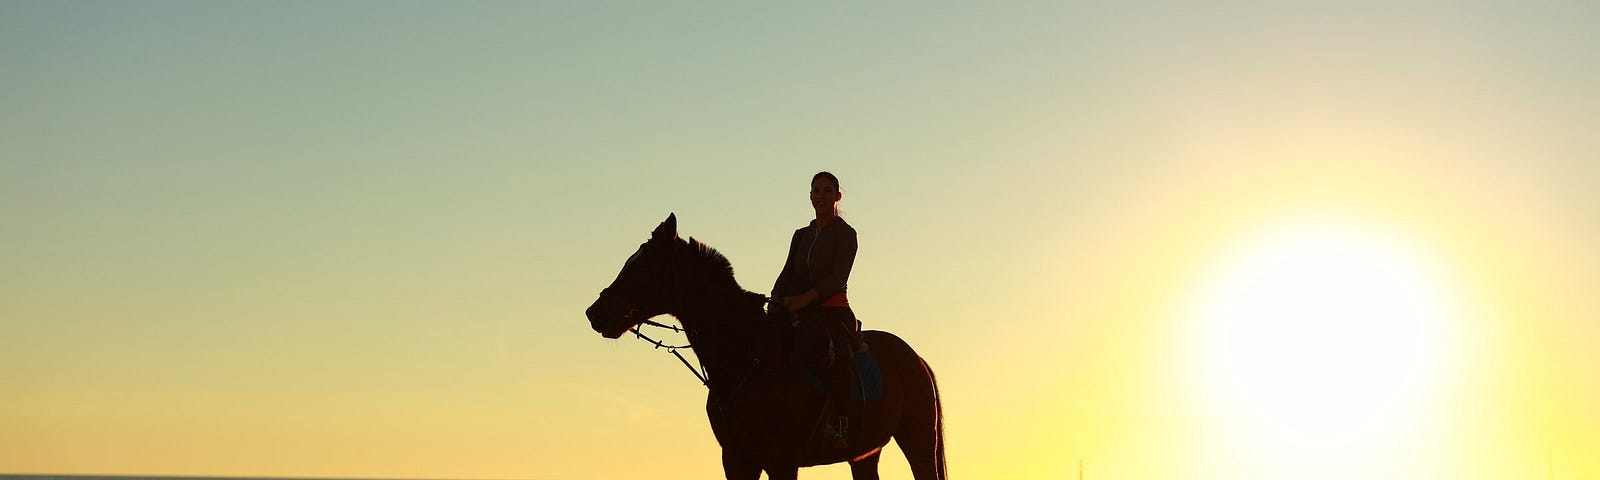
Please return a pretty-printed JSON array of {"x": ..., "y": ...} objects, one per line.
[{"x": 824, "y": 348}]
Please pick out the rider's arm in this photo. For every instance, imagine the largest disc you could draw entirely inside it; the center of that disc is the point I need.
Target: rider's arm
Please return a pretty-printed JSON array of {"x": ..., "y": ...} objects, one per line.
[{"x": 789, "y": 276}]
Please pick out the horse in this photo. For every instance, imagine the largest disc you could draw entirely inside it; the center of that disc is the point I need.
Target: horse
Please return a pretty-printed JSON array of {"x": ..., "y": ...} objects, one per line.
[{"x": 765, "y": 413}]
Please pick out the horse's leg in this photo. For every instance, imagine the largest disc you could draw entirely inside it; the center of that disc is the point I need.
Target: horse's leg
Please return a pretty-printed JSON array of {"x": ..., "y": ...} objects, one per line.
[
  {"x": 866, "y": 468},
  {"x": 920, "y": 434},
  {"x": 738, "y": 467},
  {"x": 919, "y": 449}
]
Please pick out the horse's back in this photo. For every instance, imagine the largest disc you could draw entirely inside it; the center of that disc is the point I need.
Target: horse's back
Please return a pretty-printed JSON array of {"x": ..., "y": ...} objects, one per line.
[
  {"x": 903, "y": 370},
  {"x": 887, "y": 346}
]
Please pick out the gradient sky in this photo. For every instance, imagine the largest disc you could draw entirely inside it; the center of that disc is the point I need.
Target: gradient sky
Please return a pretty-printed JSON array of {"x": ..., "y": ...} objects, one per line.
[{"x": 357, "y": 238}]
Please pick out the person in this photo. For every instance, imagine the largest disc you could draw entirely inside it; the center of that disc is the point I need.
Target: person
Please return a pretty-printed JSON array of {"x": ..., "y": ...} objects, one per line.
[{"x": 812, "y": 286}]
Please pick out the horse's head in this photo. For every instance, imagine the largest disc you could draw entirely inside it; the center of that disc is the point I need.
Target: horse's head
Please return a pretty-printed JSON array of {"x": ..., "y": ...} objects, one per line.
[{"x": 643, "y": 288}]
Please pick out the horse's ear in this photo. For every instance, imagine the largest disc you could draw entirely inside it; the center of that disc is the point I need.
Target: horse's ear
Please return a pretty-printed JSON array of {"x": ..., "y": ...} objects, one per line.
[{"x": 667, "y": 229}]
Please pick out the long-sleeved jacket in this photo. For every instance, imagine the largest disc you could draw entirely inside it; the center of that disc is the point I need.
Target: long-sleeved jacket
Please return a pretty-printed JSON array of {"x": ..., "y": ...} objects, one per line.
[{"x": 819, "y": 259}]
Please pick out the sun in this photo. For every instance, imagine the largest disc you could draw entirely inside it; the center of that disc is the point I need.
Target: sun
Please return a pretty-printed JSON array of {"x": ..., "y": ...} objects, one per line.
[{"x": 1320, "y": 345}]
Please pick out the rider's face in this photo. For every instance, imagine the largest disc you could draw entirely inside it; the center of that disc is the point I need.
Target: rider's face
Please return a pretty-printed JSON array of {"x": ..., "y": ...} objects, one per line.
[{"x": 823, "y": 195}]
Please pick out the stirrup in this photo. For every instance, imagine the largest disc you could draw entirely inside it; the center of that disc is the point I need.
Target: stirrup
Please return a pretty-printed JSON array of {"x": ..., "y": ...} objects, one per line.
[{"x": 837, "y": 432}]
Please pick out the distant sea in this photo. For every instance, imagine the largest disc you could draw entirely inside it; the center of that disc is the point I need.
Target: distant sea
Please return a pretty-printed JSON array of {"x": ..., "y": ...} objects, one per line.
[{"x": 11, "y": 476}]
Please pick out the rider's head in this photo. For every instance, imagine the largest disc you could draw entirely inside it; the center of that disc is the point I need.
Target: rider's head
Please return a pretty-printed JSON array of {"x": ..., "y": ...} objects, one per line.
[{"x": 825, "y": 194}]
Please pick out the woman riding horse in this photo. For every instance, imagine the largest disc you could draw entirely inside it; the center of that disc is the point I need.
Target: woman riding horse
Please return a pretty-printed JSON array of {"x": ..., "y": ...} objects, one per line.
[{"x": 812, "y": 286}]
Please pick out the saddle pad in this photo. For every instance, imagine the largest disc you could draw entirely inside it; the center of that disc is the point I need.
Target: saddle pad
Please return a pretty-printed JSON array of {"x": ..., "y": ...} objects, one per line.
[{"x": 869, "y": 372}]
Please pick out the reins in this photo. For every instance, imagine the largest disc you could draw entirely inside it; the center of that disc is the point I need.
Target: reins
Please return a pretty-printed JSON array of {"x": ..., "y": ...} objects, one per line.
[{"x": 673, "y": 349}]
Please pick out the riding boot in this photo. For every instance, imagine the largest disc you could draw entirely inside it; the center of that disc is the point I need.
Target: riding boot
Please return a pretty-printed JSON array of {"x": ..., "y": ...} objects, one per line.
[
  {"x": 850, "y": 408},
  {"x": 846, "y": 338},
  {"x": 839, "y": 385}
]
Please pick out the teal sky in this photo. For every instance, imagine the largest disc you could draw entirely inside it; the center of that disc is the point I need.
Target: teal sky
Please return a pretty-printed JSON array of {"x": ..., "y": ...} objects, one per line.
[{"x": 371, "y": 228}]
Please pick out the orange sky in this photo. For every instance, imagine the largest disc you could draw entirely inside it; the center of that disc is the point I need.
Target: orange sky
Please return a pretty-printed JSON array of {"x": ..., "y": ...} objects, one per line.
[{"x": 1243, "y": 241}]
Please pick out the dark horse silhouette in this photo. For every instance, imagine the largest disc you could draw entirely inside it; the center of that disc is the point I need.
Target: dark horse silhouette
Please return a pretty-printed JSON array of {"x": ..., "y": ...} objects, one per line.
[{"x": 763, "y": 412}]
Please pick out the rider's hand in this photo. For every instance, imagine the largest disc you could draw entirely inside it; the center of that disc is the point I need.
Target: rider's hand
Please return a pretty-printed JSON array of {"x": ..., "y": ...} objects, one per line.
[{"x": 797, "y": 302}]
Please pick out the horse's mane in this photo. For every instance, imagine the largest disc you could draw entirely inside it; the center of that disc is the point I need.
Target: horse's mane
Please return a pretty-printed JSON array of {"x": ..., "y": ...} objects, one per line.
[{"x": 721, "y": 270}]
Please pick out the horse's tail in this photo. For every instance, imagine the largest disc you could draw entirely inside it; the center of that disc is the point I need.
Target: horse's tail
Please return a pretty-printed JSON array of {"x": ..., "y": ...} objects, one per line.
[{"x": 938, "y": 424}]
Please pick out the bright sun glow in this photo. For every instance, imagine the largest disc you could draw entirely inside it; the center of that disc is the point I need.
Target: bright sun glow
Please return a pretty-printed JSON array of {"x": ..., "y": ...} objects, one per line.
[{"x": 1321, "y": 346}]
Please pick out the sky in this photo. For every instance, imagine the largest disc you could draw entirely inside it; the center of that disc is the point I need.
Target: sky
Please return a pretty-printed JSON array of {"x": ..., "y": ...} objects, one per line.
[{"x": 1149, "y": 240}]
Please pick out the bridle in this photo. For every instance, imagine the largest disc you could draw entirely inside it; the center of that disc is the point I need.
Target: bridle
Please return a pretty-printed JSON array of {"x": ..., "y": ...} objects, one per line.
[{"x": 637, "y": 317}]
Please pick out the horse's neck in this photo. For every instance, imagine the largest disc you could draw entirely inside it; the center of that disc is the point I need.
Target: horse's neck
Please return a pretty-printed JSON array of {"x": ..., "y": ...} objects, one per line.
[
  {"x": 722, "y": 337},
  {"x": 723, "y": 320}
]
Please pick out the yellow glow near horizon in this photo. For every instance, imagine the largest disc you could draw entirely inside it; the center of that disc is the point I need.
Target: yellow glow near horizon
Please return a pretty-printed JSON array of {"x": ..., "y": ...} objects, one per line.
[{"x": 1322, "y": 345}]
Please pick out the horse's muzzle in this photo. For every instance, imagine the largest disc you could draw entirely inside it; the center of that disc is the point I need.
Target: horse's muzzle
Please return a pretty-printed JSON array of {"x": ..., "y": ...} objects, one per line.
[{"x": 607, "y": 319}]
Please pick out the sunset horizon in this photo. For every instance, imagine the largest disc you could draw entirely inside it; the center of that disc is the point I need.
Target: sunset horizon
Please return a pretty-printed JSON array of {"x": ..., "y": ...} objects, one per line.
[{"x": 366, "y": 240}]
